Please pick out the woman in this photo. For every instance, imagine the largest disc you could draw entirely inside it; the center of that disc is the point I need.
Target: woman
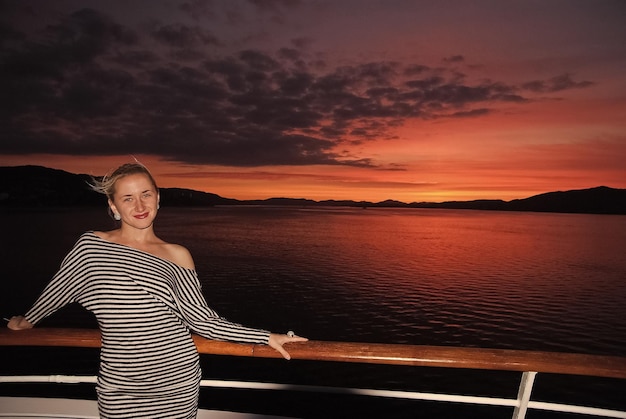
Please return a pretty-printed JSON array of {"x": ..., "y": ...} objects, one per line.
[{"x": 146, "y": 297}]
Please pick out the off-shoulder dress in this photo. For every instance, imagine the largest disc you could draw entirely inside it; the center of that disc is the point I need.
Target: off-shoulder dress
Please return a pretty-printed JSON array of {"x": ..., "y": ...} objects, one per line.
[{"x": 146, "y": 307}]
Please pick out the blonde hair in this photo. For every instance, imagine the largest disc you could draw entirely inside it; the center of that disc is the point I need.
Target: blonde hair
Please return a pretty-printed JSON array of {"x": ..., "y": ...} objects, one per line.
[{"x": 106, "y": 185}]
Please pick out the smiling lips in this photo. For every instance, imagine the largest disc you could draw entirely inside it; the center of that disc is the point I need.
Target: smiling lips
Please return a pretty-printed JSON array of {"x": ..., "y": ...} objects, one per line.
[{"x": 141, "y": 216}]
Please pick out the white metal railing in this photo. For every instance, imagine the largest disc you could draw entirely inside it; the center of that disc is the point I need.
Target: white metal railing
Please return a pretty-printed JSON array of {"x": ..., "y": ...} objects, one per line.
[{"x": 520, "y": 405}]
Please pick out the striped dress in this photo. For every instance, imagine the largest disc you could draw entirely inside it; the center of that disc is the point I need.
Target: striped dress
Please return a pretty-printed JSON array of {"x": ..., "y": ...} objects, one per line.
[{"x": 146, "y": 309}]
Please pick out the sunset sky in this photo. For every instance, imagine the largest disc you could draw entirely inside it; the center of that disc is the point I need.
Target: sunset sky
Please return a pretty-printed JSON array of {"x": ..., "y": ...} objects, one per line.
[{"x": 325, "y": 99}]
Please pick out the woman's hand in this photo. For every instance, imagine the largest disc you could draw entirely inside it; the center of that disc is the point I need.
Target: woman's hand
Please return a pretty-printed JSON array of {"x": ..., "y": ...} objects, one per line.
[
  {"x": 277, "y": 341},
  {"x": 19, "y": 323}
]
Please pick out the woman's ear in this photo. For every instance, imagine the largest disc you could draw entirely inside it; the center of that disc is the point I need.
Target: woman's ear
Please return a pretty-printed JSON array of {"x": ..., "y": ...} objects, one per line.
[{"x": 113, "y": 210}]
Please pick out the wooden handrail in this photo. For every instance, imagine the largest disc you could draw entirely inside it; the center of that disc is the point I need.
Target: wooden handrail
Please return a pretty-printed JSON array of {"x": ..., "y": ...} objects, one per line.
[{"x": 371, "y": 353}]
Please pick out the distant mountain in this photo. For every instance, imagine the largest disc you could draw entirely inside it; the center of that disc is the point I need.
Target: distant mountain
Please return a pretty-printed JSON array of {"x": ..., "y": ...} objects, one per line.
[
  {"x": 599, "y": 200},
  {"x": 190, "y": 198},
  {"x": 36, "y": 186}
]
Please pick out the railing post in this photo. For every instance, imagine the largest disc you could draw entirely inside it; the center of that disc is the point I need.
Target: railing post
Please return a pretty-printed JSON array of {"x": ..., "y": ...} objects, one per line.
[{"x": 523, "y": 394}]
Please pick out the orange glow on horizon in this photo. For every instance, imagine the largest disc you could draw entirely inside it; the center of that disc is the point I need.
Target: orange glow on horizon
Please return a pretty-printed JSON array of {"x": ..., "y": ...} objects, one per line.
[{"x": 434, "y": 181}]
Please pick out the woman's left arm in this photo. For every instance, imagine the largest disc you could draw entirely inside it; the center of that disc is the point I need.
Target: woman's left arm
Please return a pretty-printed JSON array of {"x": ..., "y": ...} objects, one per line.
[{"x": 207, "y": 323}]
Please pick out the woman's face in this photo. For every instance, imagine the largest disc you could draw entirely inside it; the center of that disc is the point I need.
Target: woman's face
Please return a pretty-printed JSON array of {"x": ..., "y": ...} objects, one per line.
[{"x": 135, "y": 200}]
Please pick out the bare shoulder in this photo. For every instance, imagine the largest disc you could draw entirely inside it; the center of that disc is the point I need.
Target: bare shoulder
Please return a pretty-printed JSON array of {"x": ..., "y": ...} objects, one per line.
[
  {"x": 106, "y": 235},
  {"x": 110, "y": 235},
  {"x": 179, "y": 255}
]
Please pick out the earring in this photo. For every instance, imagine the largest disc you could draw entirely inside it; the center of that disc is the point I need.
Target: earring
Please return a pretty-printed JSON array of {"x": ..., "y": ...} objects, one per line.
[
  {"x": 117, "y": 216},
  {"x": 158, "y": 206}
]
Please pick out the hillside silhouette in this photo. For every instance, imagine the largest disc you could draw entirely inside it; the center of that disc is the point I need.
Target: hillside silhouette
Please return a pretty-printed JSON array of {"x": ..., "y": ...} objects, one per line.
[{"x": 41, "y": 187}]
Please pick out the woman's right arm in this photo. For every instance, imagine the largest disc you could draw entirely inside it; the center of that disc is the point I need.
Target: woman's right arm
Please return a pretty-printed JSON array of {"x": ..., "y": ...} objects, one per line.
[
  {"x": 60, "y": 291},
  {"x": 19, "y": 323}
]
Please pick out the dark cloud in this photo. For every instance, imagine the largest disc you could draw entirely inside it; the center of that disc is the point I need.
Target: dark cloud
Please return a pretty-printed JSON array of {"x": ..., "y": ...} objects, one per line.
[
  {"x": 86, "y": 34},
  {"x": 181, "y": 36},
  {"x": 414, "y": 69},
  {"x": 9, "y": 34},
  {"x": 94, "y": 87},
  {"x": 470, "y": 114},
  {"x": 454, "y": 59},
  {"x": 67, "y": 46},
  {"x": 199, "y": 9},
  {"x": 258, "y": 61},
  {"x": 135, "y": 58},
  {"x": 555, "y": 84},
  {"x": 289, "y": 53},
  {"x": 274, "y": 5},
  {"x": 302, "y": 43}
]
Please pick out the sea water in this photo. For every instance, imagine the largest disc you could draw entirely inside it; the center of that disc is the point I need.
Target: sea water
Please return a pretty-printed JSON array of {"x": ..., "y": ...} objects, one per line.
[{"x": 511, "y": 280}]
